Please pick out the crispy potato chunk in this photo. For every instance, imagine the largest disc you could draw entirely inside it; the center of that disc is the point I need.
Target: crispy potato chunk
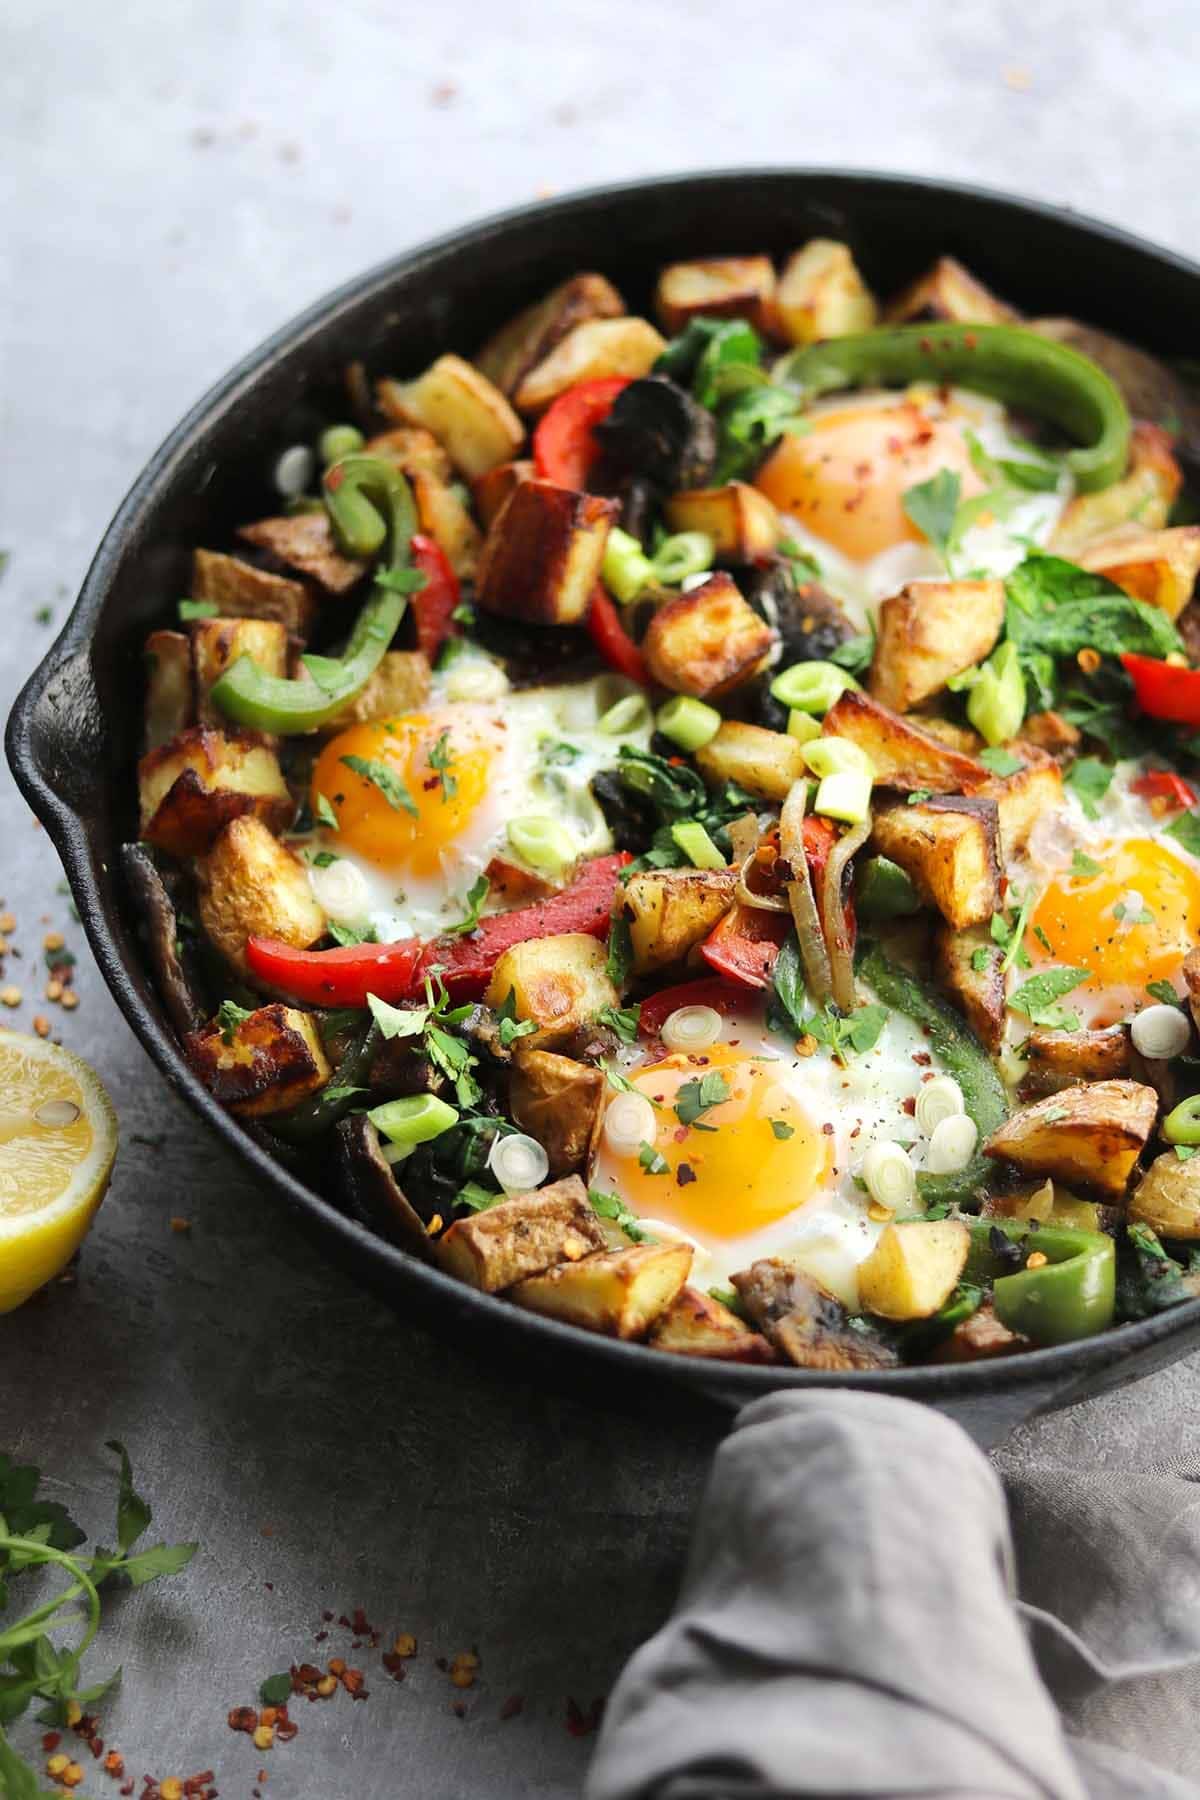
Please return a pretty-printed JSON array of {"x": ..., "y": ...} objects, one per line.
[
  {"x": 979, "y": 1339},
  {"x": 766, "y": 763},
  {"x": 597, "y": 348},
  {"x": 251, "y": 886},
  {"x": 803, "y": 1321},
  {"x": 216, "y": 646},
  {"x": 742, "y": 523},
  {"x": 950, "y": 850},
  {"x": 467, "y": 414},
  {"x": 413, "y": 449},
  {"x": 948, "y": 291},
  {"x": 903, "y": 754},
  {"x": 1145, "y": 494},
  {"x": 448, "y": 523},
  {"x": 708, "y": 641},
  {"x": 268, "y": 1063},
  {"x": 400, "y": 684},
  {"x": 190, "y": 789},
  {"x": 1159, "y": 567},
  {"x": 822, "y": 295},
  {"x": 620, "y": 1292},
  {"x": 305, "y": 541},
  {"x": 542, "y": 554},
  {"x": 240, "y": 591},
  {"x": 1089, "y": 1136},
  {"x": 977, "y": 992},
  {"x": 1049, "y": 731},
  {"x": 557, "y": 1101},
  {"x": 522, "y": 1236},
  {"x": 1022, "y": 797},
  {"x": 1167, "y": 1198},
  {"x": 722, "y": 287},
  {"x": 697, "y": 1325},
  {"x": 930, "y": 631},
  {"x": 669, "y": 911},
  {"x": 913, "y": 1268},
  {"x": 528, "y": 339},
  {"x": 1061, "y": 1059},
  {"x": 561, "y": 982},
  {"x": 168, "y": 709},
  {"x": 491, "y": 491}
]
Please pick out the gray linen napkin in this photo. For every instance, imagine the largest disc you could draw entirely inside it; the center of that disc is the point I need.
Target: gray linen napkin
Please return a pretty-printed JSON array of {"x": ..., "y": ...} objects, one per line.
[{"x": 845, "y": 1627}]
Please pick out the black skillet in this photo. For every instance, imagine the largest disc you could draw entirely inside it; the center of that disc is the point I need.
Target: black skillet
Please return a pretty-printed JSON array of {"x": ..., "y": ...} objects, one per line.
[{"x": 73, "y": 734}]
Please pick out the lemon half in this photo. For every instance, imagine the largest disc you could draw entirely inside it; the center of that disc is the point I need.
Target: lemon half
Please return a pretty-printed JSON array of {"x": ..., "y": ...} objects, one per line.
[{"x": 58, "y": 1140}]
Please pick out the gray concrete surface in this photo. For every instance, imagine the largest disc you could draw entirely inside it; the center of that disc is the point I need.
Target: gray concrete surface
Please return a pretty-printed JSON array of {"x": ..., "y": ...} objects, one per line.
[{"x": 175, "y": 181}]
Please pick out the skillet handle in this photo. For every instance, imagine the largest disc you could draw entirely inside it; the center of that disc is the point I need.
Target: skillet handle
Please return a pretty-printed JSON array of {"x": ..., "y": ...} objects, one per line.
[{"x": 59, "y": 746}]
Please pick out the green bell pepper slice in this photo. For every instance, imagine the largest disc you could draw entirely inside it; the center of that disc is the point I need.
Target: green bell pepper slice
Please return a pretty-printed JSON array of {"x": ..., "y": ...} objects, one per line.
[
  {"x": 1072, "y": 1295},
  {"x": 369, "y": 503},
  {"x": 1006, "y": 361}
]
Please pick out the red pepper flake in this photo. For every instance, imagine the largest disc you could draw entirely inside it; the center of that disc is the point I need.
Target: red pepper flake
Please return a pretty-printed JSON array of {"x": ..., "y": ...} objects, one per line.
[
  {"x": 128, "y": 1788},
  {"x": 685, "y": 1173},
  {"x": 582, "y": 1724},
  {"x": 514, "y": 1705},
  {"x": 321, "y": 1636},
  {"x": 922, "y": 1059},
  {"x": 51, "y": 1741},
  {"x": 352, "y": 1681},
  {"x": 909, "y": 1106},
  {"x": 334, "y": 478},
  {"x": 328, "y": 1617},
  {"x": 394, "y": 1665},
  {"x": 827, "y": 1128},
  {"x": 286, "y": 1730},
  {"x": 441, "y": 1663},
  {"x": 459, "y": 1709},
  {"x": 243, "y": 1718}
]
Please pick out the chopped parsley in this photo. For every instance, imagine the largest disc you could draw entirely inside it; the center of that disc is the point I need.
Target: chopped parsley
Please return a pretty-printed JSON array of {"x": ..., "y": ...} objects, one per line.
[
  {"x": 782, "y": 1129},
  {"x": 620, "y": 953},
  {"x": 386, "y": 780},
  {"x": 1163, "y": 992},
  {"x": 512, "y": 1028},
  {"x": 1089, "y": 780},
  {"x": 1000, "y": 761},
  {"x": 326, "y": 813},
  {"x": 1082, "y": 865},
  {"x": 1037, "y": 998},
  {"x": 612, "y": 1207},
  {"x": 477, "y": 895},
  {"x": 441, "y": 761},
  {"x": 932, "y": 506},
  {"x": 198, "y": 609},
  {"x": 1186, "y": 832},
  {"x": 229, "y": 1017},
  {"x": 699, "y": 1096},
  {"x": 621, "y": 1019}
]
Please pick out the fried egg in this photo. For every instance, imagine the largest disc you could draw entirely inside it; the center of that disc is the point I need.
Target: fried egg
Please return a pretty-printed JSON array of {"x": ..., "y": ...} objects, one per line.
[
  {"x": 841, "y": 486},
  {"x": 410, "y": 810},
  {"x": 1118, "y": 896},
  {"x": 772, "y": 1168}
]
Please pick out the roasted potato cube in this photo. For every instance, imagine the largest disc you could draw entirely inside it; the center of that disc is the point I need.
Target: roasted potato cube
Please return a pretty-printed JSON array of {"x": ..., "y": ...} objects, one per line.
[
  {"x": 448, "y": 523},
  {"x": 168, "y": 710},
  {"x": 1167, "y": 1198},
  {"x": 669, "y": 911},
  {"x": 948, "y": 291},
  {"x": 822, "y": 295},
  {"x": 697, "y": 1325},
  {"x": 913, "y": 1268},
  {"x": 803, "y": 1321},
  {"x": 305, "y": 541},
  {"x": 240, "y": 591},
  {"x": 904, "y": 755},
  {"x": 708, "y": 641},
  {"x": 620, "y": 1292},
  {"x": 251, "y": 886},
  {"x": 522, "y": 1236},
  {"x": 561, "y": 982},
  {"x": 968, "y": 966},
  {"x": 1022, "y": 797},
  {"x": 980, "y": 1339},
  {"x": 1145, "y": 495},
  {"x": 190, "y": 789},
  {"x": 1089, "y": 1136},
  {"x": 950, "y": 850},
  {"x": 950, "y": 732},
  {"x": 526, "y": 340},
  {"x": 492, "y": 490},
  {"x": 930, "y": 631},
  {"x": 1049, "y": 731},
  {"x": 414, "y": 450},
  {"x": 1061, "y": 1059},
  {"x": 742, "y": 523},
  {"x": 1159, "y": 567},
  {"x": 265, "y": 1064},
  {"x": 766, "y": 763},
  {"x": 722, "y": 287},
  {"x": 400, "y": 684},
  {"x": 216, "y": 646},
  {"x": 464, "y": 411},
  {"x": 542, "y": 554},
  {"x": 557, "y": 1101},
  {"x": 597, "y": 348}
]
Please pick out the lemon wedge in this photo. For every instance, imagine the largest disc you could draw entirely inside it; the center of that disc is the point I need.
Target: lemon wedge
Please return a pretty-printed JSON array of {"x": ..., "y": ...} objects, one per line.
[{"x": 58, "y": 1140}]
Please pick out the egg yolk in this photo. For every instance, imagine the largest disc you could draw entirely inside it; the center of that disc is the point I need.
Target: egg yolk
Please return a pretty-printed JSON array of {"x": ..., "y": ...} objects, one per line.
[
  {"x": 1131, "y": 924},
  {"x": 845, "y": 478},
  {"x": 749, "y": 1159},
  {"x": 403, "y": 790}
]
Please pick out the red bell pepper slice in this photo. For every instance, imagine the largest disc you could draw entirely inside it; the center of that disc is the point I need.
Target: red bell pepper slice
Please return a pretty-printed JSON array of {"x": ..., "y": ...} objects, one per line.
[
  {"x": 710, "y": 990},
  {"x": 612, "y": 640},
  {"x": 565, "y": 448},
  {"x": 1164, "y": 690},
  {"x": 341, "y": 977},
  {"x": 744, "y": 945},
  {"x": 434, "y": 604},
  {"x": 1161, "y": 784},
  {"x": 466, "y": 963}
]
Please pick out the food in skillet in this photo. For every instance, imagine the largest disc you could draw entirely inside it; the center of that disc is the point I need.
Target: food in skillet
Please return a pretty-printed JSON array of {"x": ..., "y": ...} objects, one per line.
[{"x": 692, "y": 830}]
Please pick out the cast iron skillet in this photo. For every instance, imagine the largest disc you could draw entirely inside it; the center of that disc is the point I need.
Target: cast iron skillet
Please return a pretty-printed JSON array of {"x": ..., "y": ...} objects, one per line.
[{"x": 73, "y": 735}]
